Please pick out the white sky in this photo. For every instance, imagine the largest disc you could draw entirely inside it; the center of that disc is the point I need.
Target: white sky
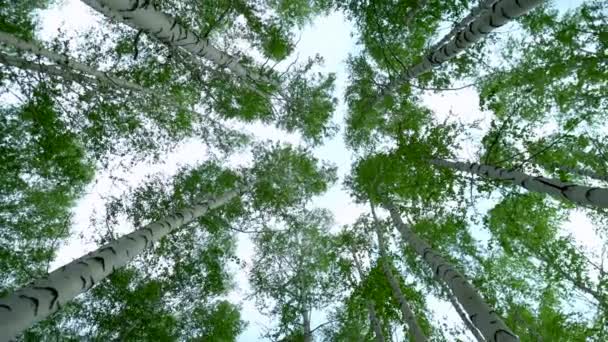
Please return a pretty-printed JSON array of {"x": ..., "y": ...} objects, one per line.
[{"x": 331, "y": 38}]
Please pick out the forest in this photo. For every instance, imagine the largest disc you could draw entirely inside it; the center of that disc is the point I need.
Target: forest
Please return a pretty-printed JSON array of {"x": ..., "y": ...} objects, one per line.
[{"x": 304, "y": 170}]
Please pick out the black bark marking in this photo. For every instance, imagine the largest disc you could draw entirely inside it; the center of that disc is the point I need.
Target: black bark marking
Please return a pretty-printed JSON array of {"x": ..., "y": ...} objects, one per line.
[
  {"x": 181, "y": 216},
  {"x": 92, "y": 282},
  {"x": 472, "y": 317},
  {"x": 110, "y": 248},
  {"x": 498, "y": 331},
  {"x": 492, "y": 22},
  {"x": 83, "y": 263},
  {"x": 173, "y": 24},
  {"x": 7, "y": 307},
  {"x": 588, "y": 193},
  {"x": 425, "y": 251},
  {"x": 470, "y": 28},
  {"x": 145, "y": 238},
  {"x": 53, "y": 292},
  {"x": 504, "y": 14},
  {"x": 34, "y": 301},
  {"x": 101, "y": 261},
  {"x": 132, "y": 8},
  {"x": 158, "y": 31},
  {"x": 167, "y": 223},
  {"x": 84, "y": 282},
  {"x": 131, "y": 238},
  {"x": 457, "y": 42},
  {"x": 149, "y": 230}
]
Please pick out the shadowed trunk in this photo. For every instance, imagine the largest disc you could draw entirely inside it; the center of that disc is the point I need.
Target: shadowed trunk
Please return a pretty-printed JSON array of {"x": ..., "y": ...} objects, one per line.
[
  {"x": 406, "y": 311},
  {"x": 479, "y": 24},
  {"x": 585, "y": 195},
  {"x": 483, "y": 317},
  {"x": 62, "y": 60}
]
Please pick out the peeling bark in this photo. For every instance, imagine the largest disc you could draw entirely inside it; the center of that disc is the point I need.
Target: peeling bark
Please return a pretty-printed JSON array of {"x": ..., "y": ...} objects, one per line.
[
  {"x": 480, "y": 313},
  {"x": 32, "y": 303},
  {"x": 584, "y": 195}
]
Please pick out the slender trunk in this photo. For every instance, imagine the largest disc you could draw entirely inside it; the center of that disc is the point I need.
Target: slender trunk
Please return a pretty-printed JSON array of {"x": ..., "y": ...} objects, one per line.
[
  {"x": 584, "y": 195},
  {"x": 485, "y": 318},
  {"x": 32, "y": 303},
  {"x": 48, "y": 69},
  {"x": 500, "y": 13},
  {"x": 63, "y": 60},
  {"x": 406, "y": 310},
  {"x": 306, "y": 324},
  {"x": 463, "y": 316},
  {"x": 373, "y": 319},
  {"x": 141, "y": 15}
]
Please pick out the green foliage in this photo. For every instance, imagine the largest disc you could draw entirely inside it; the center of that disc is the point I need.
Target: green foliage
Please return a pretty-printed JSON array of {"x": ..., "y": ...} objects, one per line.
[
  {"x": 287, "y": 176},
  {"x": 43, "y": 169}
]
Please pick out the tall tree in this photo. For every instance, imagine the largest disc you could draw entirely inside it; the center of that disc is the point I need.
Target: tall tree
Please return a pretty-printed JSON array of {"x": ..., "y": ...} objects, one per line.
[
  {"x": 406, "y": 312},
  {"x": 292, "y": 273},
  {"x": 584, "y": 195}
]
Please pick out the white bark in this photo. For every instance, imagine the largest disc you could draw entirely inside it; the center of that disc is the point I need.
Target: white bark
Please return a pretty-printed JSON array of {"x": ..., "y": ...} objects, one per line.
[
  {"x": 483, "y": 317},
  {"x": 406, "y": 311},
  {"x": 483, "y": 7},
  {"x": 141, "y": 15},
  {"x": 463, "y": 316},
  {"x": 584, "y": 195},
  {"x": 500, "y": 13},
  {"x": 32, "y": 303},
  {"x": 102, "y": 77}
]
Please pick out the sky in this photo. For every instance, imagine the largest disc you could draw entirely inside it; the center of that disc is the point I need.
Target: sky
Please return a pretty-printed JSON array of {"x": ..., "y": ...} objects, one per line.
[{"x": 330, "y": 36}]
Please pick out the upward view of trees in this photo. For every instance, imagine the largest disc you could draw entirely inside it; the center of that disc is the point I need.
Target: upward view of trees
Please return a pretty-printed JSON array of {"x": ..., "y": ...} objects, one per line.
[{"x": 472, "y": 230}]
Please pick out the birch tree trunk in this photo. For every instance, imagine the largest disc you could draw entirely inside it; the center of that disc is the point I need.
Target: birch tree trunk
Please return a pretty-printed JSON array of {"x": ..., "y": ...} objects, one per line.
[
  {"x": 483, "y": 317},
  {"x": 463, "y": 316},
  {"x": 306, "y": 324},
  {"x": 141, "y": 15},
  {"x": 102, "y": 77},
  {"x": 584, "y": 195},
  {"x": 373, "y": 319},
  {"x": 500, "y": 13},
  {"x": 32, "y": 303},
  {"x": 406, "y": 310},
  {"x": 483, "y": 7}
]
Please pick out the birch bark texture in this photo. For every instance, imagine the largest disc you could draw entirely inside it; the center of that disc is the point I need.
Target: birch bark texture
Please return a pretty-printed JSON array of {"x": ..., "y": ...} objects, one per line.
[
  {"x": 499, "y": 14},
  {"x": 62, "y": 60},
  {"x": 32, "y": 303},
  {"x": 141, "y": 15},
  {"x": 406, "y": 311},
  {"x": 580, "y": 194},
  {"x": 481, "y": 314},
  {"x": 463, "y": 316}
]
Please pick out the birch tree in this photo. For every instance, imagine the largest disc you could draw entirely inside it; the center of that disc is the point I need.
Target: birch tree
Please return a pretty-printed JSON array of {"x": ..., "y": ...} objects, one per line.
[
  {"x": 407, "y": 314},
  {"x": 583, "y": 195},
  {"x": 501, "y": 13},
  {"x": 291, "y": 275}
]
